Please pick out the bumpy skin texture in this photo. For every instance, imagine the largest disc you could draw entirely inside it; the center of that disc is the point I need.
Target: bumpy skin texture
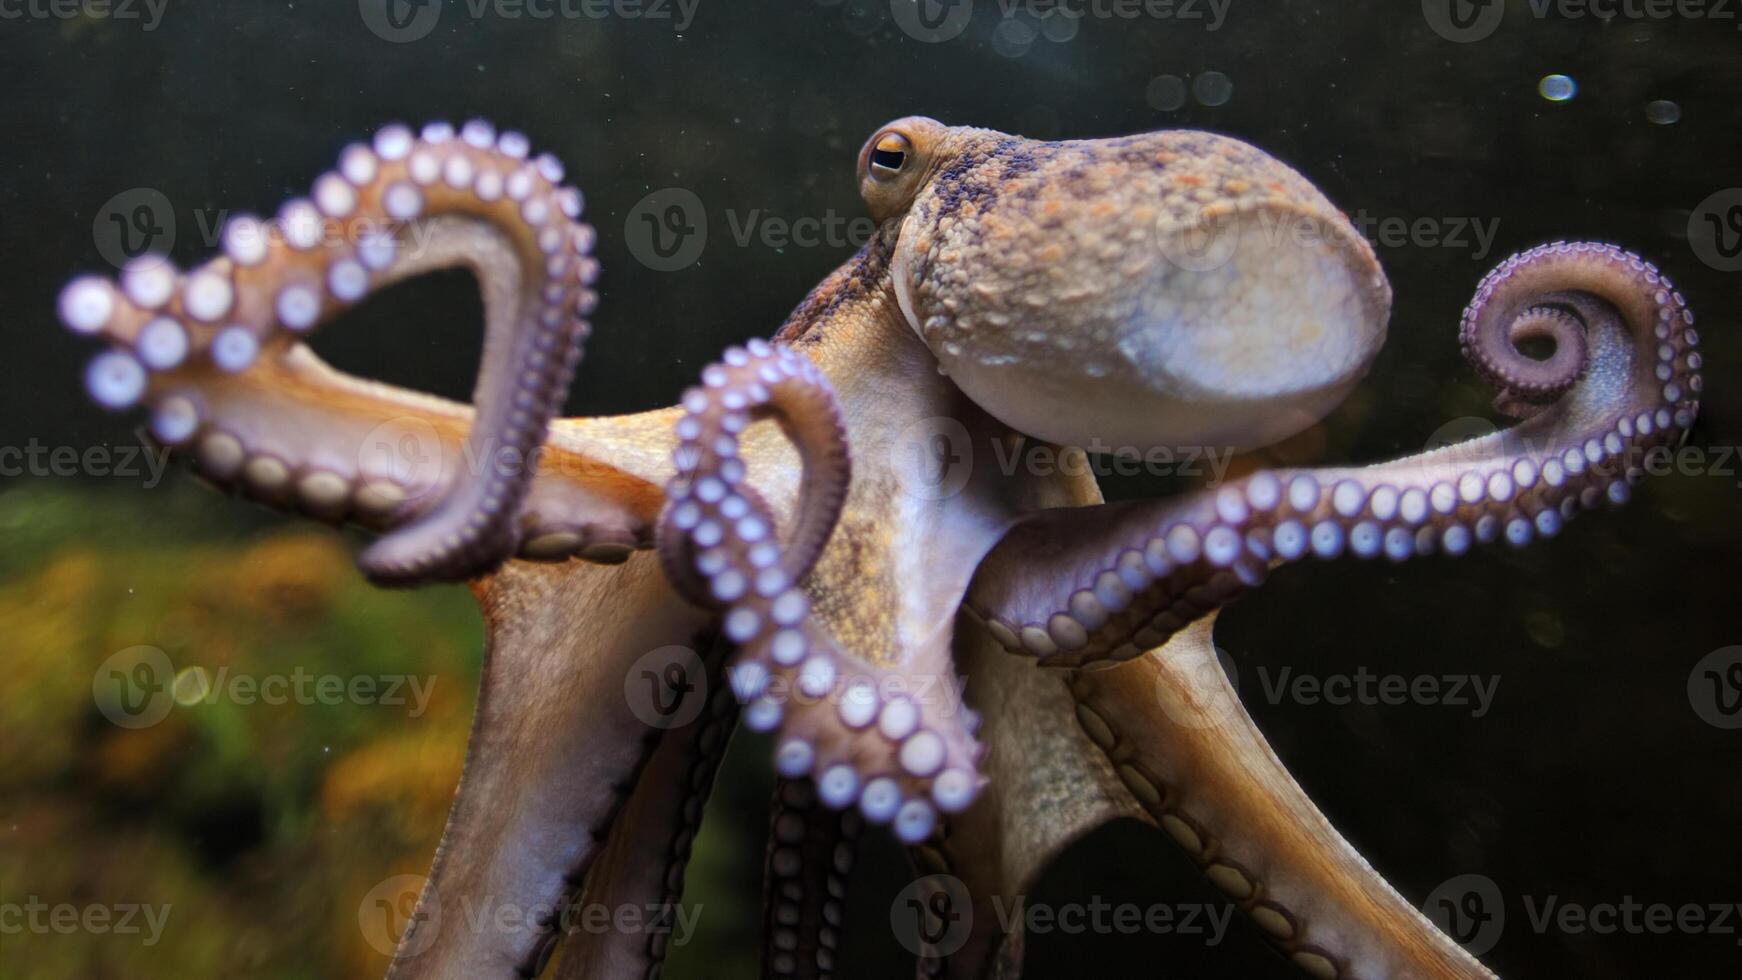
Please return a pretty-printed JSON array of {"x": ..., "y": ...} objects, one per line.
[{"x": 1165, "y": 289}]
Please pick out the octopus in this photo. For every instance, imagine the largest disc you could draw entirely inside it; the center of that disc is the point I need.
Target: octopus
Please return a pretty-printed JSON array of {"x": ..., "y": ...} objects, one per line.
[{"x": 976, "y": 654}]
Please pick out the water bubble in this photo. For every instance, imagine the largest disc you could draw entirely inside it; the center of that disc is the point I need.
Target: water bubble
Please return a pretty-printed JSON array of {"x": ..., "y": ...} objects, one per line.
[
  {"x": 192, "y": 685},
  {"x": 1012, "y": 38},
  {"x": 1663, "y": 112},
  {"x": 1059, "y": 28},
  {"x": 1212, "y": 88},
  {"x": 1165, "y": 92},
  {"x": 1557, "y": 88}
]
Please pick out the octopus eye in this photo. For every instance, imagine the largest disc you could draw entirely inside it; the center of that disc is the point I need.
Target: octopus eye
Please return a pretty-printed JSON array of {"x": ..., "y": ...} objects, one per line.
[{"x": 890, "y": 154}]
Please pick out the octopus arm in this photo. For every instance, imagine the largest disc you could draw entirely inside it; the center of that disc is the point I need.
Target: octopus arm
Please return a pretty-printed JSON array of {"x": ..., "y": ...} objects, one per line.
[
  {"x": 892, "y": 739},
  {"x": 1077, "y": 586},
  {"x": 216, "y": 355},
  {"x": 629, "y": 912},
  {"x": 555, "y": 750},
  {"x": 810, "y": 853},
  {"x": 1191, "y": 756},
  {"x": 1135, "y": 586},
  {"x": 1048, "y": 787}
]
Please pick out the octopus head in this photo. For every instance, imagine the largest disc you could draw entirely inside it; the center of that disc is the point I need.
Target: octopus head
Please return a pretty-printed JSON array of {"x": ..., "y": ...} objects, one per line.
[{"x": 1169, "y": 289}]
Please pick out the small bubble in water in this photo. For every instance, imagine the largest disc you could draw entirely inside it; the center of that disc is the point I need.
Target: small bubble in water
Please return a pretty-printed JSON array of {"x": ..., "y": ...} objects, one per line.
[
  {"x": 1056, "y": 27},
  {"x": 1663, "y": 112},
  {"x": 1212, "y": 88},
  {"x": 1012, "y": 38},
  {"x": 1165, "y": 92},
  {"x": 1557, "y": 88}
]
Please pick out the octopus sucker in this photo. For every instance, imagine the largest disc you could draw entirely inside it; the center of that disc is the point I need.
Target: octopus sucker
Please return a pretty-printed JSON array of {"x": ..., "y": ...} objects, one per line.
[
  {"x": 897, "y": 758},
  {"x": 846, "y": 570},
  {"x": 1512, "y": 487},
  {"x": 176, "y": 336}
]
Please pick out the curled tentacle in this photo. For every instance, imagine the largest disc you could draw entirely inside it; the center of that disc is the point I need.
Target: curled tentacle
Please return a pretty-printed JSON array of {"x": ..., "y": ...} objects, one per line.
[
  {"x": 1117, "y": 580},
  {"x": 894, "y": 742},
  {"x": 1490, "y": 344},
  {"x": 401, "y": 206}
]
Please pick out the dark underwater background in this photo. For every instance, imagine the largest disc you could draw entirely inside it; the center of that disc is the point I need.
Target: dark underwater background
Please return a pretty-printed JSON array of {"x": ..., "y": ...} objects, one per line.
[{"x": 1592, "y": 778}]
